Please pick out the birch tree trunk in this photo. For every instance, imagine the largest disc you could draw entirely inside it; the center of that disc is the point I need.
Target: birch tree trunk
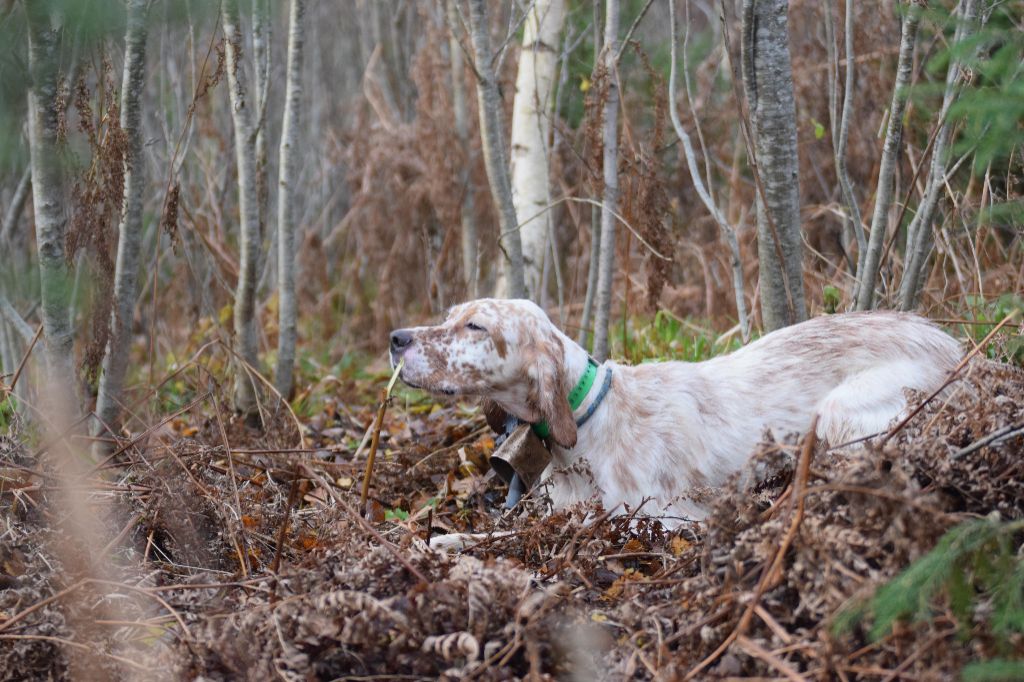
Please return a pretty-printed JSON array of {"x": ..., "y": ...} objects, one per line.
[
  {"x": 129, "y": 241},
  {"x": 243, "y": 116},
  {"x": 261, "y": 83},
  {"x": 531, "y": 127},
  {"x": 50, "y": 215},
  {"x": 287, "y": 186},
  {"x": 768, "y": 80},
  {"x": 919, "y": 232},
  {"x": 470, "y": 257},
  {"x": 610, "y": 197},
  {"x": 868, "y": 274},
  {"x": 492, "y": 133}
]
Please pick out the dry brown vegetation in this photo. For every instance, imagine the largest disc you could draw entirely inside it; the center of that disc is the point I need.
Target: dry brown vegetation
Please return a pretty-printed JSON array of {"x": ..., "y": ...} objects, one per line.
[
  {"x": 225, "y": 552},
  {"x": 188, "y": 574}
]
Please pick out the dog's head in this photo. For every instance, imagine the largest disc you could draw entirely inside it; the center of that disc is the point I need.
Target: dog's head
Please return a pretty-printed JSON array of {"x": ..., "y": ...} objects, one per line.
[{"x": 505, "y": 350}]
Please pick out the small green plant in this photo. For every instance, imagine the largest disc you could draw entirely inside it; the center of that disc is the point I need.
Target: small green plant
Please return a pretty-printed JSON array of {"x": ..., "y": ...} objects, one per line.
[
  {"x": 396, "y": 514},
  {"x": 831, "y": 298},
  {"x": 667, "y": 337},
  {"x": 974, "y": 569},
  {"x": 989, "y": 313},
  {"x": 996, "y": 670},
  {"x": 8, "y": 410}
]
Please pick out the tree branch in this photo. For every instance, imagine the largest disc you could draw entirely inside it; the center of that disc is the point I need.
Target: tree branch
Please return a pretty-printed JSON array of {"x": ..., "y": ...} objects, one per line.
[
  {"x": 16, "y": 320},
  {"x": 728, "y": 231},
  {"x": 16, "y": 206},
  {"x": 867, "y": 273}
]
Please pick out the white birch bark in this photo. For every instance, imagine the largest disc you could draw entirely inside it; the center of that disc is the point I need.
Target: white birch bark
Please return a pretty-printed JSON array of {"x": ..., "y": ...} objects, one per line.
[
  {"x": 768, "y": 78},
  {"x": 50, "y": 214},
  {"x": 129, "y": 241},
  {"x": 531, "y": 127},
  {"x": 469, "y": 238},
  {"x": 919, "y": 232},
  {"x": 261, "y": 83},
  {"x": 610, "y": 196},
  {"x": 728, "y": 231},
  {"x": 287, "y": 188},
  {"x": 867, "y": 275},
  {"x": 492, "y": 133},
  {"x": 13, "y": 212},
  {"x": 243, "y": 115}
]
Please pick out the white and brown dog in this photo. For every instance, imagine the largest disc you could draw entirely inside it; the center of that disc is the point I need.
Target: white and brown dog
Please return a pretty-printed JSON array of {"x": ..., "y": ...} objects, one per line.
[{"x": 658, "y": 430}]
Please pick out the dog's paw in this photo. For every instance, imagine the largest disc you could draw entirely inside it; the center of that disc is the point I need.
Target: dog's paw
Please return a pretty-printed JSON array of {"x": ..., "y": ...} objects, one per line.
[
  {"x": 453, "y": 542},
  {"x": 458, "y": 542}
]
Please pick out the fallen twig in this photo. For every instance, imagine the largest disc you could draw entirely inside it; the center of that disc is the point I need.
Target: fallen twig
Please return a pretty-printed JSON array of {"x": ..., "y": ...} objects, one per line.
[
  {"x": 758, "y": 651},
  {"x": 366, "y": 525},
  {"x": 293, "y": 497},
  {"x": 243, "y": 550},
  {"x": 21, "y": 365},
  {"x": 85, "y": 647},
  {"x": 40, "y": 604},
  {"x": 385, "y": 398},
  {"x": 769, "y": 575},
  {"x": 999, "y": 434}
]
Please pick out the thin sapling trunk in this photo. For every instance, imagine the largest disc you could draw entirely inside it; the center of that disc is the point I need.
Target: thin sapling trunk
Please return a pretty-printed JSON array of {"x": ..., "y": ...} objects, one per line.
[
  {"x": 288, "y": 186},
  {"x": 129, "y": 242}
]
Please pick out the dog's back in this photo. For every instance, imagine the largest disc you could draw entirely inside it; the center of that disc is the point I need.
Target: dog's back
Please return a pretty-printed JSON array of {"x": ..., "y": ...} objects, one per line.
[
  {"x": 667, "y": 427},
  {"x": 850, "y": 369}
]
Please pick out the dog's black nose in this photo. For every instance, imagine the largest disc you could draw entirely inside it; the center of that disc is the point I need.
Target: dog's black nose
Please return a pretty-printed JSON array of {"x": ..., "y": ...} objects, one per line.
[{"x": 400, "y": 338}]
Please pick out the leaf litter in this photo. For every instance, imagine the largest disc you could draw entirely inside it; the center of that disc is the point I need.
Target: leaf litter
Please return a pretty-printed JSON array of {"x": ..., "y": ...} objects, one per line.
[{"x": 572, "y": 592}]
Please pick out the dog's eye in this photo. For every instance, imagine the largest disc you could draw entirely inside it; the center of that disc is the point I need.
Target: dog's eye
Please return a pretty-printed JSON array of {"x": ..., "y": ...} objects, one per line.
[{"x": 472, "y": 326}]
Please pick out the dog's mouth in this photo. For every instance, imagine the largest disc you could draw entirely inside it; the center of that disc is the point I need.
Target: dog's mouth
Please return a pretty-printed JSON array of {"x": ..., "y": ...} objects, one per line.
[
  {"x": 427, "y": 386},
  {"x": 438, "y": 390},
  {"x": 442, "y": 390}
]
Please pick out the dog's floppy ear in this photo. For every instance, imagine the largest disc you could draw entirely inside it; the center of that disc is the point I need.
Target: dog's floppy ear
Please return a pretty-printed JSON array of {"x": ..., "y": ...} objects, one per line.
[
  {"x": 549, "y": 393},
  {"x": 496, "y": 416}
]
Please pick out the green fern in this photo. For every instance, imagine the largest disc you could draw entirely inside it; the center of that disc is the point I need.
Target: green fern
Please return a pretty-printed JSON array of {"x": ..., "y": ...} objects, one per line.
[
  {"x": 996, "y": 670},
  {"x": 974, "y": 562}
]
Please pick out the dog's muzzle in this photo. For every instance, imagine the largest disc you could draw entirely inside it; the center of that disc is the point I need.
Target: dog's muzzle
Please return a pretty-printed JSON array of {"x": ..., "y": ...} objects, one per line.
[{"x": 400, "y": 340}]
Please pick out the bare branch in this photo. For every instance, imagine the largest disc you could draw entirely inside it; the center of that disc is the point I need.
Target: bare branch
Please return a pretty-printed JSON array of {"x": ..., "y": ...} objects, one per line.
[
  {"x": 919, "y": 234},
  {"x": 868, "y": 271},
  {"x": 493, "y": 132},
  {"x": 16, "y": 206},
  {"x": 632, "y": 28},
  {"x": 16, "y": 320},
  {"x": 853, "y": 219},
  {"x": 728, "y": 231}
]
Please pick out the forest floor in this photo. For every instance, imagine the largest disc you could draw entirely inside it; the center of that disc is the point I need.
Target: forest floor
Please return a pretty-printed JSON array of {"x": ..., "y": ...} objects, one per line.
[{"x": 259, "y": 566}]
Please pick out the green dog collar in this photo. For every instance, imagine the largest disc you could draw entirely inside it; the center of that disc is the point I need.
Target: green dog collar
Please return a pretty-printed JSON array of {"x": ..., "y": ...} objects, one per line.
[{"x": 576, "y": 396}]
